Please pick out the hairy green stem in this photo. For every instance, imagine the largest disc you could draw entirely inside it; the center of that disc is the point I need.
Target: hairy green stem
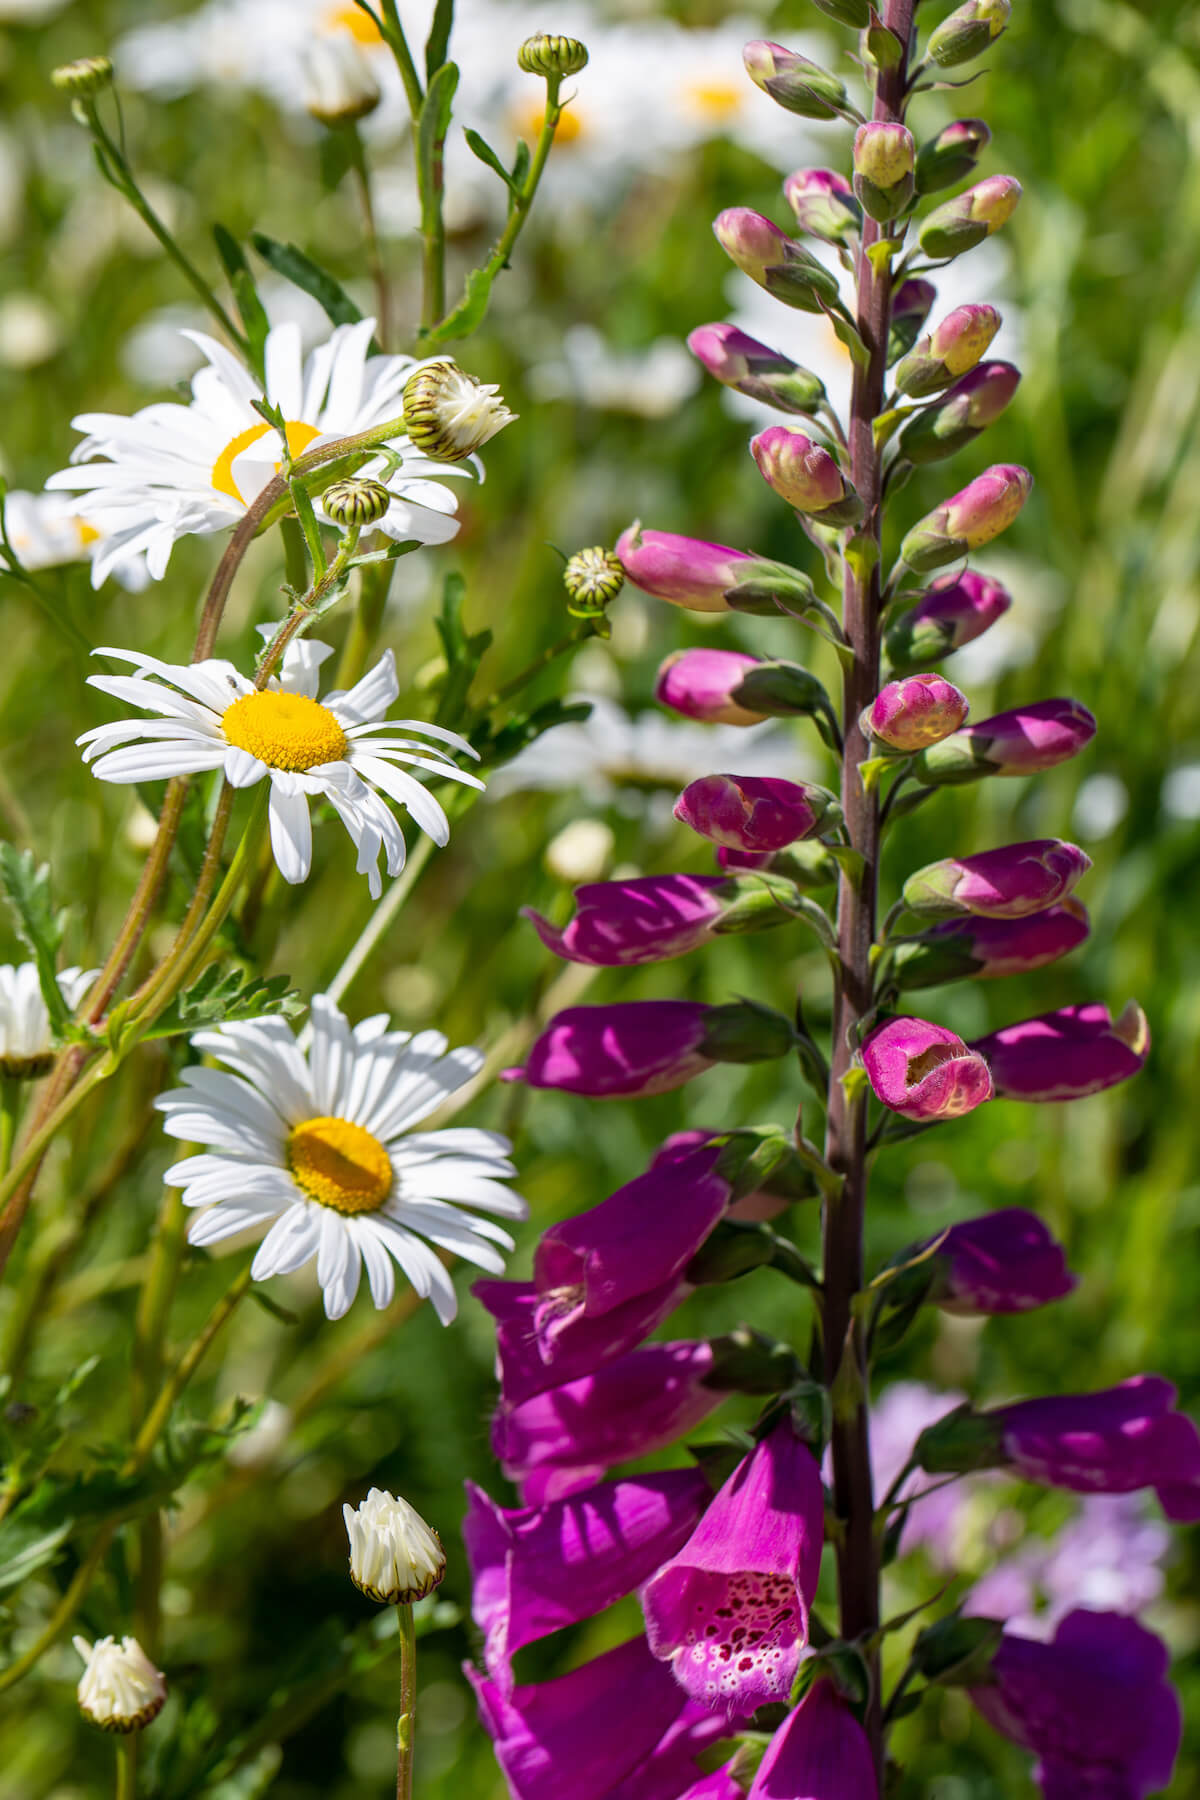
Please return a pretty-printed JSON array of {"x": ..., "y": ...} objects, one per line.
[{"x": 406, "y": 1723}]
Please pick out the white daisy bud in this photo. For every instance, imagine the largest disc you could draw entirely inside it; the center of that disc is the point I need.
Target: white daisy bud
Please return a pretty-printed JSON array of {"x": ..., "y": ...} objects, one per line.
[
  {"x": 86, "y": 75},
  {"x": 120, "y": 1689},
  {"x": 448, "y": 414},
  {"x": 395, "y": 1557},
  {"x": 339, "y": 83},
  {"x": 358, "y": 501},
  {"x": 546, "y": 54},
  {"x": 26, "y": 1046}
]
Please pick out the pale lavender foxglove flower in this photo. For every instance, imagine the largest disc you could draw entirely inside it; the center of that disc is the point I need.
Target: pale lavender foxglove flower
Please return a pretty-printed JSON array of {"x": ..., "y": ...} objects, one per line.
[
  {"x": 924, "y": 1072},
  {"x": 1066, "y": 1054}
]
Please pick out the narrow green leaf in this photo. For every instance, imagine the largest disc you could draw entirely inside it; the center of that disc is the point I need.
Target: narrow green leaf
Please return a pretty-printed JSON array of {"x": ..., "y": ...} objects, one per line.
[
  {"x": 245, "y": 293},
  {"x": 292, "y": 263},
  {"x": 24, "y": 1550},
  {"x": 438, "y": 41},
  {"x": 39, "y": 927},
  {"x": 521, "y": 162},
  {"x": 483, "y": 150},
  {"x": 433, "y": 126}
]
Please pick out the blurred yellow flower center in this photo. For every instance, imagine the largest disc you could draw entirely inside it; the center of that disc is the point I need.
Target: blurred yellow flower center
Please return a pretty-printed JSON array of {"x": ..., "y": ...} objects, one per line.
[
  {"x": 299, "y": 437},
  {"x": 715, "y": 99},
  {"x": 87, "y": 533},
  {"x": 340, "y": 1165},
  {"x": 351, "y": 18},
  {"x": 528, "y": 120},
  {"x": 286, "y": 731}
]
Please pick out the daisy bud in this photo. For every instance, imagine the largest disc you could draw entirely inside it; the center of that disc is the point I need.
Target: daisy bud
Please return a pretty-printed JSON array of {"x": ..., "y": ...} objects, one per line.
[
  {"x": 758, "y": 813},
  {"x": 1025, "y": 741},
  {"x": 593, "y": 578},
  {"x": 777, "y": 262},
  {"x": 748, "y": 367},
  {"x": 968, "y": 31},
  {"x": 951, "y": 156},
  {"x": 947, "y": 352},
  {"x": 969, "y": 519},
  {"x": 793, "y": 82},
  {"x": 912, "y": 303},
  {"x": 824, "y": 204},
  {"x": 449, "y": 414},
  {"x": 86, "y": 75},
  {"x": 884, "y": 159},
  {"x": 955, "y": 611},
  {"x": 708, "y": 578},
  {"x": 546, "y": 54},
  {"x": 26, "y": 1033},
  {"x": 998, "y": 884},
  {"x": 120, "y": 1689},
  {"x": 1067, "y": 1054},
  {"x": 700, "y": 684},
  {"x": 339, "y": 83},
  {"x": 355, "y": 502},
  {"x": 924, "y": 1072},
  {"x": 805, "y": 475},
  {"x": 965, "y": 410},
  {"x": 395, "y": 1557},
  {"x": 962, "y": 223},
  {"x": 916, "y": 711},
  {"x": 989, "y": 948}
]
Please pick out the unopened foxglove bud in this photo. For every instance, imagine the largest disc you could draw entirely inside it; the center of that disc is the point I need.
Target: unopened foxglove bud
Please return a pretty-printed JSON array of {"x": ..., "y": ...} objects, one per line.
[
  {"x": 965, "y": 221},
  {"x": 965, "y": 410},
  {"x": 954, "y": 611},
  {"x": 593, "y": 579},
  {"x": 951, "y": 156},
  {"x": 449, "y": 414},
  {"x": 708, "y": 578},
  {"x": 912, "y": 303},
  {"x": 395, "y": 1557},
  {"x": 784, "y": 690},
  {"x": 885, "y": 157},
  {"x": 967, "y": 32},
  {"x": 915, "y": 711},
  {"x": 777, "y": 262},
  {"x": 1007, "y": 883},
  {"x": 824, "y": 204},
  {"x": 700, "y": 684},
  {"x": 120, "y": 1689},
  {"x": 547, "y": 54},
  {"x": 793, "y": 81},
  {"x": 1025, "y": 741},
  {"x": 339, "y": 83},
  {"x": 86, "y": 75},
  {"x": 948, "y": 351},
  {"x": 758, "y": 813},
  {"x": 357, "y": 501},
  {"x": 924, "y": 1072},
  {"x": 805, "y": 475},
  {"x": 748, "y": 367},
  {"x": 988, "y": 949},
  {"x": 972, "y": 517}
]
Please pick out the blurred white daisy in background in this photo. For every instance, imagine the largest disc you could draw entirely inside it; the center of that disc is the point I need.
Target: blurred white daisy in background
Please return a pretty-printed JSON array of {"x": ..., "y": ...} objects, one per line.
[
  {"x": 25, "y": 1035},
  {"x": 704, "y": 91},
  {"x": 168, "y": 471},
  {"x": 651, "y": 383},
  {"x": 340, "y": 749},
  {"x": 46, "y": 531},
  {"x": 320, "y": 1147},
  {"x": 28, "y": 12}
]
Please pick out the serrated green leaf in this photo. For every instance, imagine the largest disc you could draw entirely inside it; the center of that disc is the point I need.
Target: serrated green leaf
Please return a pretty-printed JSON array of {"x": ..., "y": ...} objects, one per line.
[
  {"x": 291, "y": 262},
  {"x": 40, "y": 928},
  {"x": 224, "y": 997}
]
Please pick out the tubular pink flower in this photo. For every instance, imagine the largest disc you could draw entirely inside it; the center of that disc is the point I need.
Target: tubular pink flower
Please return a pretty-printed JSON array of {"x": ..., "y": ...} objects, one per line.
[
  {"x": 700, "y": 684},
  {"x": 1025, "y": 741},
  {"x": 820, "y": 1752},
  {"x": 539, "y": 1347},
  {"x": 699, "y": 576},
  {"x": 1005, "y": 1262},
  {"x": 922, "y": 1071},
  {"x": 955, "y": 610},
  {"x": 1007, "y": 883},
  {"x": 804, "y": 475},
  {"x": 619, "y": 1052},
  {"x": 756, "y": 813},
  {"x": 644, "y": 920},
  {"x": 1066, "y": 1054},
  {"x": 916, "y": 711},
  {"x": 989, "y": 948}
]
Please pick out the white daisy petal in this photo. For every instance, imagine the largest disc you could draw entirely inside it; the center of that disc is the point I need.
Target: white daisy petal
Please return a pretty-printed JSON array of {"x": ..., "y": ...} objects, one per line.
[
  {"x": 291, "y": 833},
  {"x": 339, "y": 1264},
  {"x": 291, "y": 1242},
  {"x": 381, "y": 1272}
]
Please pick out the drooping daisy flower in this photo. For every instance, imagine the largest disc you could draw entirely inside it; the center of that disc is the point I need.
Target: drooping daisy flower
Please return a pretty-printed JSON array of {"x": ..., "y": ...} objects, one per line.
[
  {"x": 25, "y": 1036},
  {"x": 45, "y": 530},
  {"x": 169, "y": 470},
  {"x": 339, "y": 749},
  {"x": 321, "y": 1147}
]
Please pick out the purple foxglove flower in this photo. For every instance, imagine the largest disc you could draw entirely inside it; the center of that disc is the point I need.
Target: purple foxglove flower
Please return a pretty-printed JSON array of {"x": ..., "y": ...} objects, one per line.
[
  {"x": 1025, "y": 741},
  {"x": 537, "y": 1347},
  {"x": 1005, "y": 1262},
  {"x": 963, "y": 411},
  {"x": 777, "y": 262},
  {"x": 916, "y": 711},
  {"x": 638, "y": 1047},
  {"x": 720, "y": 1785},
  {"x": 972, "y": 517},
  {"x": 784, "y": 1186},
  {"x": 594, "y": 1730},
  {"x": 647, "y": 919},
  {"x": 567, "y": 1438},
  {"x": 793, "y": 81},
  {"x": 965, "y": 221},
  {"x": 824, "y": 204},
  {"x": 704, "y": 577},
  {"x": 955, "y": 610},
  {"x": 729, "y": 1611},
  {"x": 989, "y": 948},
  {"x": 535, "y": 1570},
  {"x": 820, "y": 1752},
  {"x": 637, "y": 1240},
  {"x": 1094, "y": 1706},
  {"x": 912, "y": 304},
  {"x": 740, "y": 362},
  {"x": 759, "y": 813},
  {"x": 885, "y": 156},
  {"x": 949, "y": 157},
  {"x": 701, "y": 684},
  {"x": 1066, "y": 1054},
  {"x": 805, "y": 475},
  {"x": 1007, "y": 883},
  {"x": 922, "y": 1071}
]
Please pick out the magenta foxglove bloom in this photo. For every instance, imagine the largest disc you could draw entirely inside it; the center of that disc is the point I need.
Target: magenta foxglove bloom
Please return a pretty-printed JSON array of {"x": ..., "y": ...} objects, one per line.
[
  {"x": 720, "y": 1785},
  {"x": 537, "y": 1569},
  {"x": 916, "y": 711},
  {"x": 597, "y": 1733},
  {"x": 1005, "y": 1262},
  {"x": 750, "y": 367},
  {"x": 729, "y": 1611},
  {"x": 647, "y": 919},
  {"x": 756, "y": 813},
  {"x": 820, "y": 1753},
  {"x": 697, "y": 575},
  {"x": 701, "y": 684},
  {"x": 805, "y": 475},
  {"x": 619, "y": 1052},
  {"x": 567, "y": 1438},
  {"x": 955, "y": 610},
  {"x": 989, "y": 948},
  {"x": 540, "y": 1346},
  {"x": 1026, "y": 741},
  {"x": 1094, "y": 1706},
  {"x": 923, "y": 1071},
  {"x": 1006, "y": 883},
  {"x": 1066, "y": 1054}
]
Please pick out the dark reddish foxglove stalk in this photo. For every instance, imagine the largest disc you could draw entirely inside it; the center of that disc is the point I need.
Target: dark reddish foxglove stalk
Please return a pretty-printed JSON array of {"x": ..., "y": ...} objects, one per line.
[{"x": 736, "y": 1687}]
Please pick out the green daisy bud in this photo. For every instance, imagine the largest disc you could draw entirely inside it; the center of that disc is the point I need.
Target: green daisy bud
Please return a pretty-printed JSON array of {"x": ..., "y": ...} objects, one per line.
[
  {"x": 86, "y": 75},
  {"x": 593, "y": 579},
  {"x": 545, "y": 54},
  {"x": 356, "y": 501}
]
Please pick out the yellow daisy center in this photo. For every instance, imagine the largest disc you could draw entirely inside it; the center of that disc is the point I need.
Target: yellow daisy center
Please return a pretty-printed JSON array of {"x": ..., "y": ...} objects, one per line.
[
  {"x": 351, "y": 18},
  {"x": 715, "y": 99},
  {"x": 286, "y": 731},
  {"x": 87, "y": 533},
  {"x": 299, "y": 437},
  {"x": 528, "y": 119},
  {"x": 339, "y": 1164}
]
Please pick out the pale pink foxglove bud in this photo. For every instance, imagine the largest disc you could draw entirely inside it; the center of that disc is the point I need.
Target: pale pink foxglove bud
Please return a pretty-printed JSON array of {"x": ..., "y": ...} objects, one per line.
[
  {"x": 950, "y": 157},
  {"x": 955, "y": 610},
  {"x": 824, "y": 204},
  {"x": 965, "y": 221},
  {"x": 953, "y": 347},
  {"x": 708, "y": 578},
  {"x": 755, "y": 813},
  {"x": 700, "y": 684},
  {"x": 964, "y": 410},
  {"x": 805, "y": 475},
  {"x": 968, "y": 31},
  {"x": 969, "y": 519},
  {"x": 916, "y": 711},
  {"x": 885, "y": 157},
  {"x": 740, "y": 362},
  {"x": 777, "y": 262},
  {"x": 793, "y": 82}
]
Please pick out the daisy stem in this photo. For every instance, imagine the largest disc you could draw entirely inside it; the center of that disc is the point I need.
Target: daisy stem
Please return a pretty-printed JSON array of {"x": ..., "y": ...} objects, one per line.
[
  {"x": 181, "y": 1374},
  {"x": 375, "y": 262},
  {"x": 392, "y": 32},
  {"x": 305, "y": 609},
  {"x": 149, "y": 1337},
  {"x": 10, "y": 1101},
  {"x": 382, "y": 918},
  {"x": 408, "y": 1704},
  {"x": 126, "y": 1786},
  {"x": 206, "y": 881}
]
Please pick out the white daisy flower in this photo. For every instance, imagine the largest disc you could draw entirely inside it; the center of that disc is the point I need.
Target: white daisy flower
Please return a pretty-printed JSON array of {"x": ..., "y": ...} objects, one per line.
[
  {"x": 120, "y": 1688},
  {"x": 26, "y": 1046},
  {"x": 338, "y": 749},
  {"x": 46, "y": 531},
  {"x": 321, "y": 1147},
  {"x": 169, "y": 470}
]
